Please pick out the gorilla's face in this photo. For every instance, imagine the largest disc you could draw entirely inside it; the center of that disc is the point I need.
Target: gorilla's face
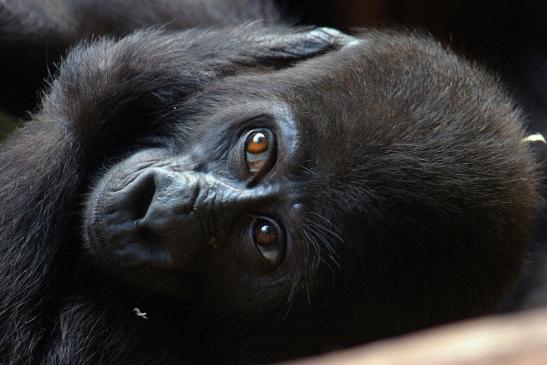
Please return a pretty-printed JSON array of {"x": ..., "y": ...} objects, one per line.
[
  {"x": 216, "y": 216},
  {"x": 364, "y": 176}
]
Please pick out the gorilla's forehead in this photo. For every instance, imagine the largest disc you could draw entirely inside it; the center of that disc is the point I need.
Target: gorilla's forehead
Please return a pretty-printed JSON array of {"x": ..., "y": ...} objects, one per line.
[
  {"x": 356, "y": 103},
  {"x": 395, "y": 119}
]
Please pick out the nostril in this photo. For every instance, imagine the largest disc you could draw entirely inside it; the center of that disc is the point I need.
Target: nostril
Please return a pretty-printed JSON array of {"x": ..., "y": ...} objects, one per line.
[{"x": 140, "y": 196}]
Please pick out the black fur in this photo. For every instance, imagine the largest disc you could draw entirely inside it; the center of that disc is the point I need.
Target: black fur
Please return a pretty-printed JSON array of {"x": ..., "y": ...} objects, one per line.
[
  {"x": 35, "y": 34},
  {"x": 420, "y": 195}
]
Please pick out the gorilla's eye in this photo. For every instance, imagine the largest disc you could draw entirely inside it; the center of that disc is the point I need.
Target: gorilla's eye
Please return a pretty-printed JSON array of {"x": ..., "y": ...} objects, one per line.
[
  {"x": 258, "y": 151},
  {"x": 268, "y": 240}
]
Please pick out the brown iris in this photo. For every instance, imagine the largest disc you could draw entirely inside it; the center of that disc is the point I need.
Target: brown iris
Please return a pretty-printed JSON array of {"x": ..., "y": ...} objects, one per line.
[
  {"x": 267, "y": 239},
  {"x": 257, "y": 143},
  {"x": 265, "y": 234},
  {"x": 257, "y": 150}
]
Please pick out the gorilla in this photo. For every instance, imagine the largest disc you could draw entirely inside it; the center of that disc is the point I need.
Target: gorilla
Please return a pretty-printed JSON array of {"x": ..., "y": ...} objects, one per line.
[{"x": 198, "y": 186}]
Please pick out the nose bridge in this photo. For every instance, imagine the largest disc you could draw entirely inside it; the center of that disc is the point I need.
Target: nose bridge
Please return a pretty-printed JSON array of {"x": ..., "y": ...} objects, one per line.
[
  {"x": 179, "y": 193},
  {"x": 173, "y": 186},
  {"x": 225, "y": 199}
]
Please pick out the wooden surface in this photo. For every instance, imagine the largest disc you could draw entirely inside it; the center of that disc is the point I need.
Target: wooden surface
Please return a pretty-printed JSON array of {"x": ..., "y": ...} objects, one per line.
[{"x": 519, "y": 339}]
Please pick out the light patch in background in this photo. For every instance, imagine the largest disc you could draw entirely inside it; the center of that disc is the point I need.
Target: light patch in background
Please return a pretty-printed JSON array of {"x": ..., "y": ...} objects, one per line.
[{"x": 535, "y": 138}]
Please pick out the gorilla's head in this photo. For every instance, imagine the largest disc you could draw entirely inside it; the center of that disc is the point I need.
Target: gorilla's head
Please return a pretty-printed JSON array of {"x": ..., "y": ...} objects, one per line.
[{"x": 377, "y": 188}]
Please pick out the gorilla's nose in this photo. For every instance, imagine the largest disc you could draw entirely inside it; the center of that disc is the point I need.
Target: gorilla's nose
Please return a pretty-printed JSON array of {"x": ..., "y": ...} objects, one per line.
[
  {"x": 144, "y": 219},
  {"x": 160, "y": 202},
  {"x": 160, "y": 195},
  {"x": 169, "y": 215},
  {"x": 164, "y": 200}
]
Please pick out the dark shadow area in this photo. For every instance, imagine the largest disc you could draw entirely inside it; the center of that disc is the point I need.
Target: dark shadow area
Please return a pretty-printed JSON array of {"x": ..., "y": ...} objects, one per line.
[{"x": 7, "y": 124}]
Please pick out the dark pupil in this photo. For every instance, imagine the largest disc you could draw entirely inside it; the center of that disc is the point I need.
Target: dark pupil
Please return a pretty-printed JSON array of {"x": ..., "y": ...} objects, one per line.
[{"x": 265, "y": 234}]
